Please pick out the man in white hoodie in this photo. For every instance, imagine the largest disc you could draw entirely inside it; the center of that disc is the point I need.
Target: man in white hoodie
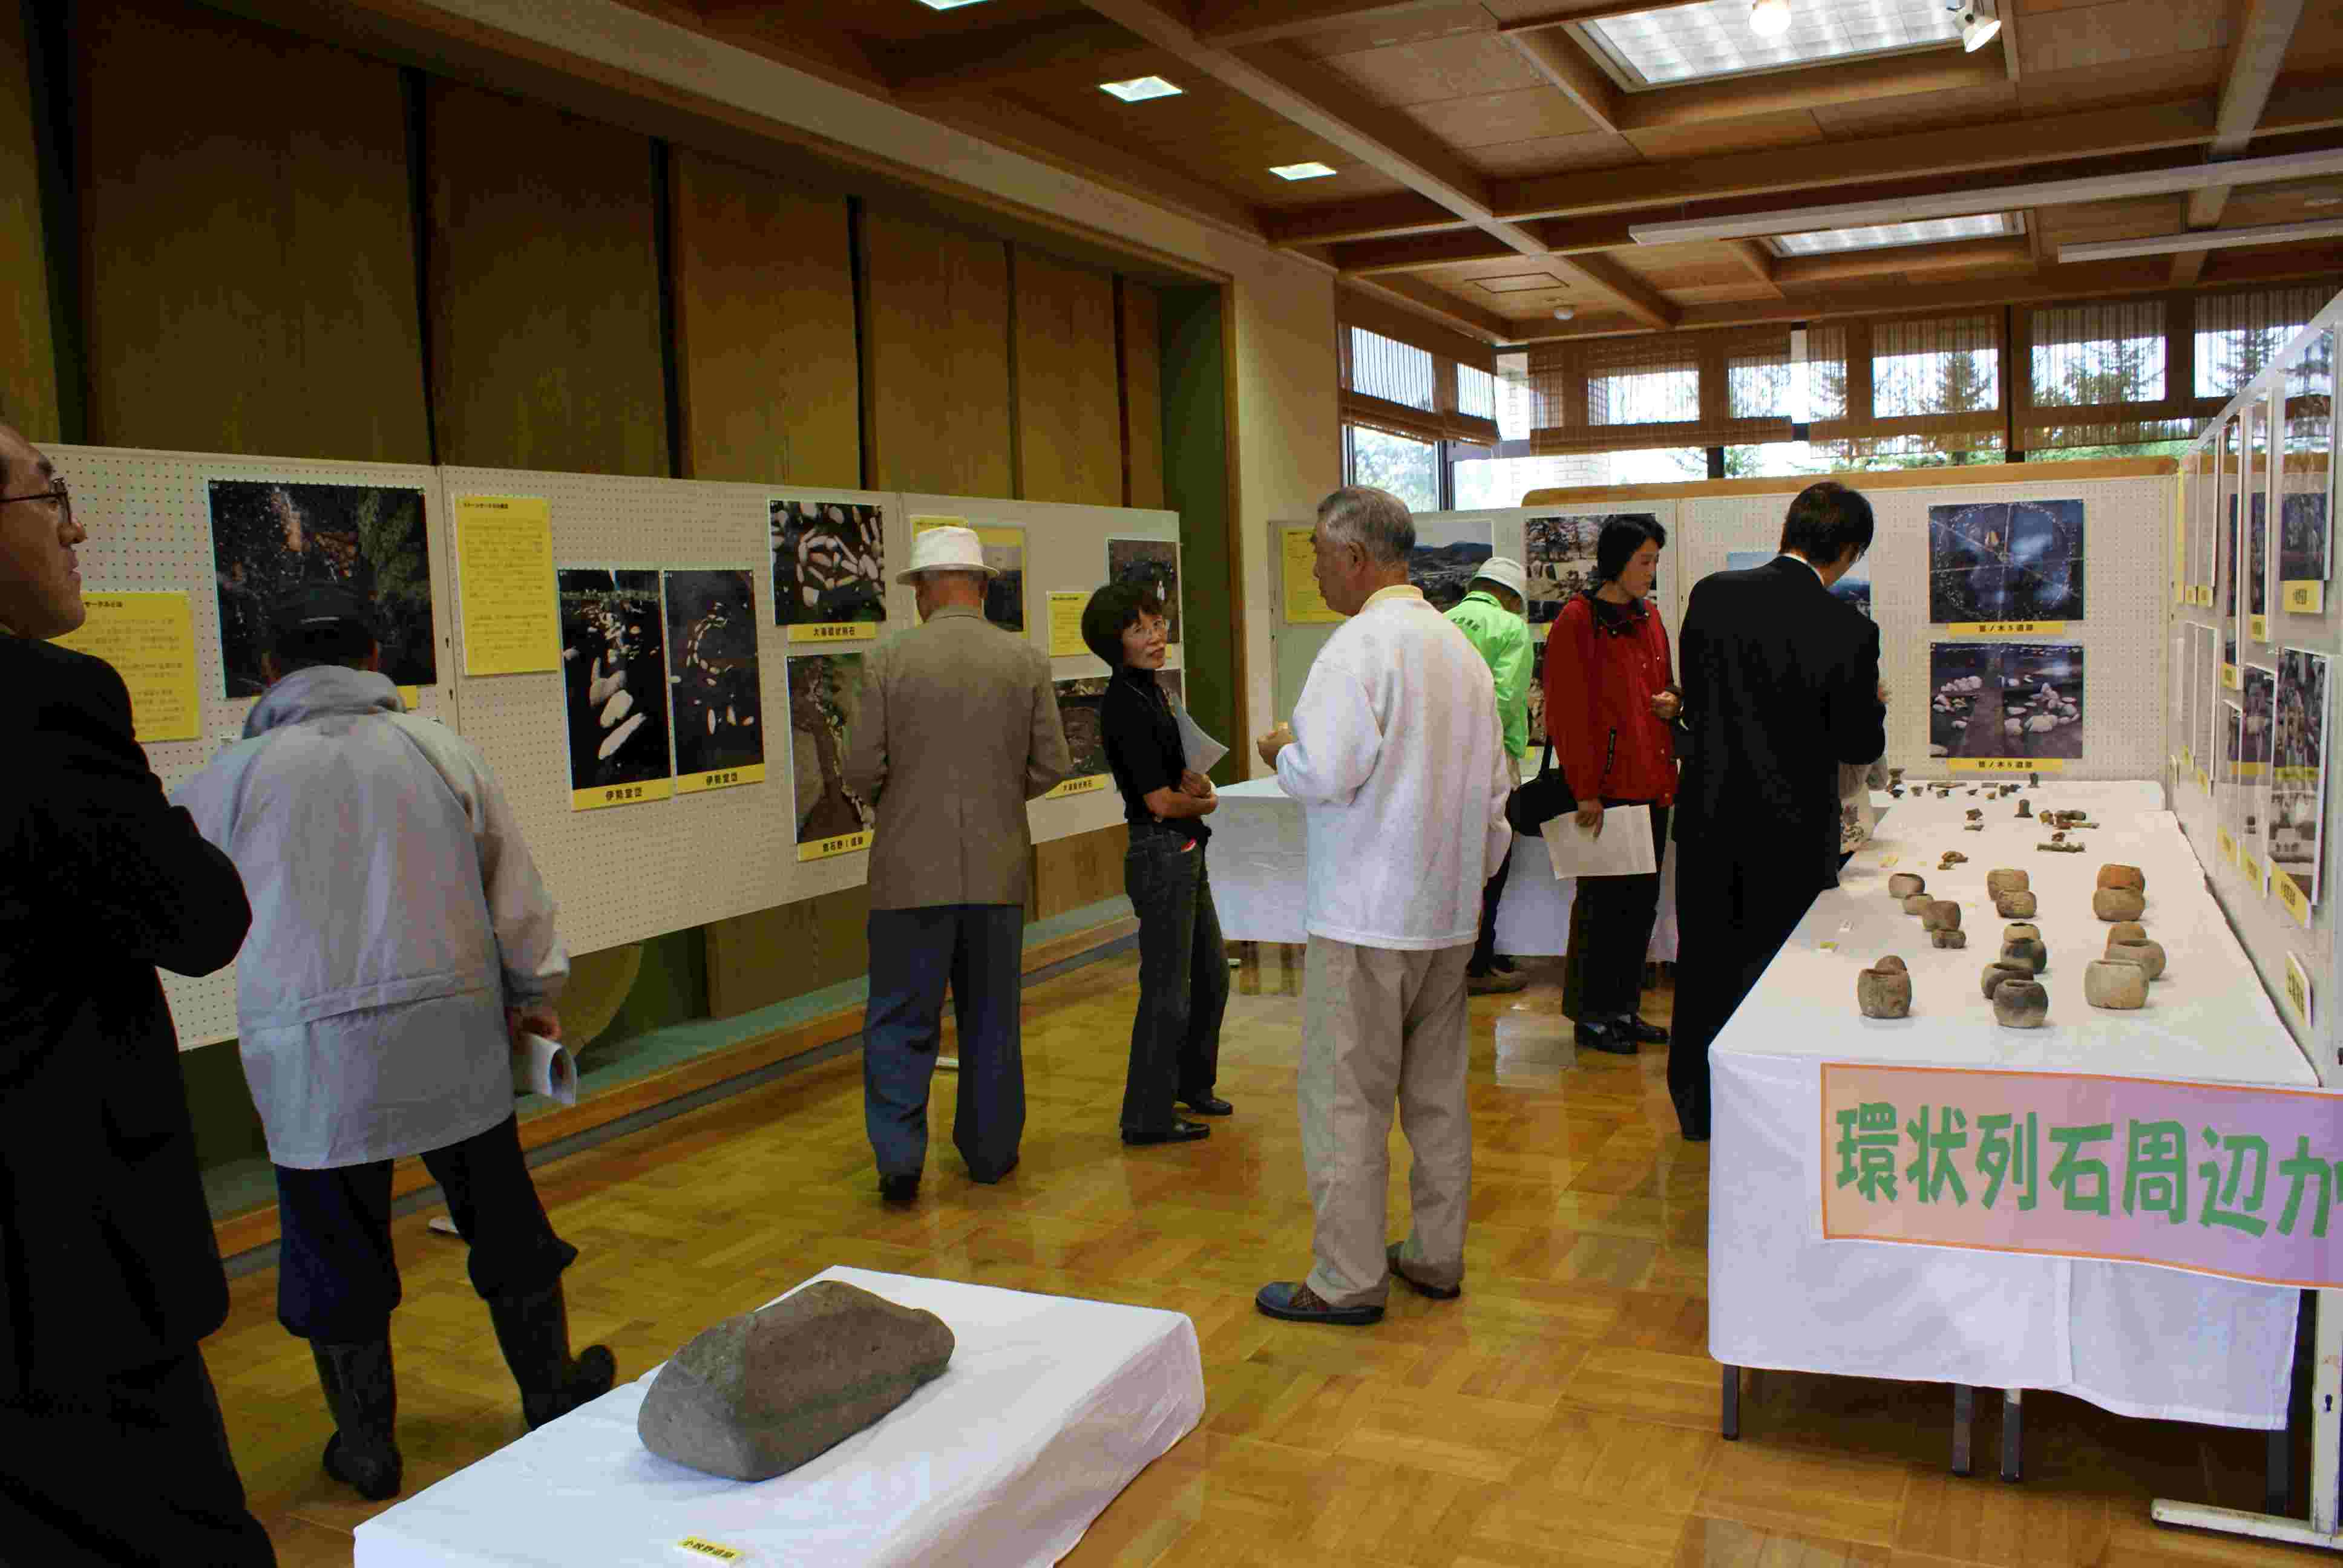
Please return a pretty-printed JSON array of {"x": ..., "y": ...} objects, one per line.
[{"x": 1396, "y": 755}]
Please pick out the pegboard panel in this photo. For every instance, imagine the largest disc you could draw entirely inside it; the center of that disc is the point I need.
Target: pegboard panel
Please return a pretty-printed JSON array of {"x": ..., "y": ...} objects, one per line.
[
  {"x": 1066, "y": 551},
  {"x": 2267, "y": 931},
  {"x": 2126, "y": 541},
  {"x": 149, "y": 516}
]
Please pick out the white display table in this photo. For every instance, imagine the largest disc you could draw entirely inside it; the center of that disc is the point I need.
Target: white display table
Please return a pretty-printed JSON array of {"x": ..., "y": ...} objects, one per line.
[
  {"x": 2139, "y": 1341},
  {"x": 1261, "y": 882},
  {"x": 1049, "y": 1408}
]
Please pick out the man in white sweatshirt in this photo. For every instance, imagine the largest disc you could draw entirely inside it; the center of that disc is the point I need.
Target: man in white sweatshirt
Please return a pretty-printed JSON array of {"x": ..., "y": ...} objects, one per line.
[{"x": 1395, "y": 753}]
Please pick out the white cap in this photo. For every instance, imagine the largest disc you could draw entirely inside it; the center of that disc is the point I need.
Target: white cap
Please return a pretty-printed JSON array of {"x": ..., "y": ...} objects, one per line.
[
  {"x": 1505, "y": 572},
  {"x": 946, "y": 549}
]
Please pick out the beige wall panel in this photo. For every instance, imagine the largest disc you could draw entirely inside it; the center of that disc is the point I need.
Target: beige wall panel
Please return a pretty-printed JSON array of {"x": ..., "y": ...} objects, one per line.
[
  {"x": 778, "y": 954},
  {"x": 28, "y": 363},
  {"x": 1069, "y": 424},
  {"x": 545, "y": 320},
  {"x": 935, "y": 374},
  {"x": 1143, "y": 388},
  {"x": 764, "y": 315},
  {"x": 248, "y": 254},
  {"x": 1071, "y": 873}
]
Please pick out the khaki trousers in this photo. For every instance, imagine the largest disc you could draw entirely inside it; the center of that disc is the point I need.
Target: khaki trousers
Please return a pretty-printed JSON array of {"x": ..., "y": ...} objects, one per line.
[{"x": 1380, "y": 1026}]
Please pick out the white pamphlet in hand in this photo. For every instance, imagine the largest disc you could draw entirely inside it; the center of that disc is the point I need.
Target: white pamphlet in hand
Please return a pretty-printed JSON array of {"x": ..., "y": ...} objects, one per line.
[
  {"x": 1202, "y": 749},
  {"x": 542, "y": 1066},
  {"x": 1625, "y": 849}
]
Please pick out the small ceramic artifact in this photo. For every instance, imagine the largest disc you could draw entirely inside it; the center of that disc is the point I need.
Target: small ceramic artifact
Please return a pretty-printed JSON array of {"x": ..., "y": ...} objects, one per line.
[
  {"x": 1949, "y": 937},
  {"x": 2034, "y": 781},
  {"x": 2026, "y": 951},
  {"x": 2020, "y": 1004},
  {"x": 1976, "y": 813},
  {"x": 2026, "y": 807},
  {"x": 2004, "y": 880},
  {"x": 1917, "y": 904},
  {"x": 2021, "y": 930},
  {"x": 2002, "y": 969},
  {"x": 2127, "y": 931},
  {"x": 1955, "y": 856},
  {"x": 1904, "y": 884},
  {"x": 1973, "y": 828},
  {"x": 1887, "y": 993},
  {"x": 2114, "y": 876},
  {"x": 2148, "y": 955},
  {"x": 2109, "y": 983},
  {"x": 1890, "y": 963},
  {"x": 1941, "y": 915},
  {"x": 2119, "y": 904},
  {"x": 2017, "y": 906}
]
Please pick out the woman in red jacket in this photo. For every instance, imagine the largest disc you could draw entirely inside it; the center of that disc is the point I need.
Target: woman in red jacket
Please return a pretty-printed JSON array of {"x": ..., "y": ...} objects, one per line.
[{"x": 1610, "y": 697}]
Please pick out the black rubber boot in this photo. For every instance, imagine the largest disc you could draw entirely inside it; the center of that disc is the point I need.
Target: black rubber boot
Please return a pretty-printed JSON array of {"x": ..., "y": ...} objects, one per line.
[
  {"x": 362, "y": 1392},
  {"x": 533, "y": 1330}
]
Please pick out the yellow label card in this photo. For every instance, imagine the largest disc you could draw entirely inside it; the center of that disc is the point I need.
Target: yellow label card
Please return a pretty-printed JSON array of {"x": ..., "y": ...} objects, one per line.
[
  {"x": 1305, "y": 605},
  {"x": 621, "y": 794},
  {"x": 2304, "y": 598},
  {"x": 2257, "y": 628},
  {"x": 1090, "y": 785},
  {"x": 149, "y": 638},
  {"x": 923, "y": 523},
  {"x": 2006, "y": 764},
  {"x": 844, "y": 844},
  {"x": 504, "y": 580},
  {"x": 2230, "y": 679},
  {"x": 2290, "y": 894},
  {"x": 720, "y": 778},
  {"x": 411, "y": 699},
  {"x": 2252, "y": 867},
  {"x": 1066, "y": 623},
  {"x": 2229, "y": 846},
  {"x": 2298, "y": 988},
  {"x": 838, "y": 631},
  {"x": 2204, "y": 781},
  {"x": 708, "y": 1551},
  {"x": 2006, "y": 627}
]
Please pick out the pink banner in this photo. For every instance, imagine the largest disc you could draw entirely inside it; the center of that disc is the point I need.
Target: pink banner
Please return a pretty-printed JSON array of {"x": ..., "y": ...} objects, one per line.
[{"x": 2238, "y": 1180}]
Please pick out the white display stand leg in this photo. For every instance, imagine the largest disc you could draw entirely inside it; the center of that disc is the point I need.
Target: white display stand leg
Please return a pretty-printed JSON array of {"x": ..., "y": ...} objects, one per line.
[{"x": 2325, "y": 1451}]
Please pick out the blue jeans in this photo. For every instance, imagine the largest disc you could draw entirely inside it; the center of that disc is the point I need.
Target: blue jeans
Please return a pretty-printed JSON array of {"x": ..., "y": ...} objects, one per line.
[
  {"x": 978, "y": 948},
  {"x": 1183, "y": 977}
]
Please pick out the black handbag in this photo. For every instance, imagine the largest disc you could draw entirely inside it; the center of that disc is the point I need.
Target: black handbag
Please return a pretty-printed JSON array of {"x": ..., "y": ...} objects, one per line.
[{"x": 1533, "y": 804}]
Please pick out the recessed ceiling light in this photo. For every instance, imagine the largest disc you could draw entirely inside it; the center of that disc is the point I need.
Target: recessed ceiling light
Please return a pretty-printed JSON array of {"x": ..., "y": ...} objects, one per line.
[
  {"x": 1139, "y": 89},
  {"x": 2322, "y": 201},
  {"x": 946, "y": 4},
  {"x": 1299, "y": 171}
]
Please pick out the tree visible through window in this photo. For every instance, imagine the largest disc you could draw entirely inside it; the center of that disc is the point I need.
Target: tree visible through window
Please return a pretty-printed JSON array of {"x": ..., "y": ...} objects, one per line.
[{"x": 1409, "y": 470}]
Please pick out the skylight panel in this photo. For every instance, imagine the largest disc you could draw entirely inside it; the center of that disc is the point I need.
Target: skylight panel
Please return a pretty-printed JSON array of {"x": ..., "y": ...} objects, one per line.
[
  {"x": 1700, "y": 43},
  {"x": 1878, "y": 236}
]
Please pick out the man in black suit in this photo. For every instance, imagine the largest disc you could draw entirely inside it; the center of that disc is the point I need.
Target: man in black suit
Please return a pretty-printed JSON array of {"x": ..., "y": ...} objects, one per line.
[
  {"x": 112, "y": 1449},
  {"x": 1781, "y": 685}
]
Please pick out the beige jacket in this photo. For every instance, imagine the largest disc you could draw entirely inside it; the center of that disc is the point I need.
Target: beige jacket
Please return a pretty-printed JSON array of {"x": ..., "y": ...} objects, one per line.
[{"x": 959, "y": 729}]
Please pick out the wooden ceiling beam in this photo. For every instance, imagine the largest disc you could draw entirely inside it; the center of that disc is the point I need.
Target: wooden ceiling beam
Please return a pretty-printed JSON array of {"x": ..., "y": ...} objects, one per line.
[
  {"x": 1062, "y": 146},
  {"x": 1229, "y": 23},
  {"x": 1814, "y": 87},
  {"x": 1326, "y": 106},
  {"x": 1761, "y": 264},
  {"x": 1370, "y": 217},
  {"x": 1572, "y": 236},
  {"x": 1977, "y": 255},
  {"x": 1594, "y": 11},
  {"x": 1557, "y": 56},
  {"x": 2188, "y": 267},
  {"x": 2007, "y": 11},
  {"x": 1486, "y": 325},
  {"x": 1622, "y": 287},
  {"x": 969, "y": 63},
  {"x": 2258, "y": 50}
]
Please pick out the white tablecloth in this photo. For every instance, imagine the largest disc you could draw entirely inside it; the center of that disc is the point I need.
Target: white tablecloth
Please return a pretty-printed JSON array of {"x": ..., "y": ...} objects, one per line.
[
  {"x": 2136, "y": 1340},
  {"x": 1260, "y": 884},
  {"x": 1049, "y": 1409}
]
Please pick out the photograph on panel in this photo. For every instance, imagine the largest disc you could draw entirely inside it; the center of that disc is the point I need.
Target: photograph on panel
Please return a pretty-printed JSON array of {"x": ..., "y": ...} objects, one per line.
[
  {"x": 2208, "y": 677},
  {"x": 2176, "y": 718},
  {"x": 1079, "y": 703},
  {"x": 2257, "y": 567},
  {"x": 2006, "y": 560},
  {"x": 613, "y": 675},
  {"x": 2228, "y": 651},
  {"x": 270, "y": 537},
  {"x": 718, "y": 703},
  {"x": 2303, "y": 528},
  {"x": 2306, "y": 478},
  {"x": 1153, "y": 564},
  {"x": 2224, "y": 546},
  {"x": 829, "y": 563},
  {"x": 2005, "y": 699},
  {"x": 2254, "y": 762},
  {"x": 1559, "y": 556},
  {"x": 1004, "y": 595},
  {"x": 1448, "y": 554},
  {"x": 2233, "y": 749},
  {"x": 825, "y": 695},
  {"x": 1538, "y": 698},
  {"x": 1854, "y": 589},
  {"x": 2298, "y": 768}
]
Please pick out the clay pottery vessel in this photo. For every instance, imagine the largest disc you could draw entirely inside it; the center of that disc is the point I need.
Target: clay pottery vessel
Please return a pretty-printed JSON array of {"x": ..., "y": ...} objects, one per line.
[
  {"x": 1890, "y": 963},
  {"x": 2119, "y": 904},
  {"x": 2004, "y": 880},
  {"x": 2012, "y": 932},
  {"x": 2127, "y": 931},
  {"x": 1917, "y": 904},
  {"x": 2001, "y": 971},
  {"x": 1942, "y": 915},
  {"x": 2148, "y": 955},
  {"x": 2109, "y": 983},
  {"x": 2115, "y": 876},
  {"x": 2026, "y": 951},
  {"x": 2020, "y": 1004},
  {"x": 2026, "y": 807},
  {"x": 1887, "y": 993},
  {"x": 1949, "y": 937},
  {"x": 2015, "y": 905},
  {"x": 1904, "y": 884}
]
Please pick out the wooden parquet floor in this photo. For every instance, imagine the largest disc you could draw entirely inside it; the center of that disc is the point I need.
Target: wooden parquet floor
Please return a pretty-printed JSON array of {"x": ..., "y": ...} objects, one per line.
[{"x": 1563, "y": 1412}]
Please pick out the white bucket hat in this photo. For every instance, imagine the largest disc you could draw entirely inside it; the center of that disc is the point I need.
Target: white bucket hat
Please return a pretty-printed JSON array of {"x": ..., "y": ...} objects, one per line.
[
  {"x": 946, "y": 550},
  {"x": 1505, "y": 572}
]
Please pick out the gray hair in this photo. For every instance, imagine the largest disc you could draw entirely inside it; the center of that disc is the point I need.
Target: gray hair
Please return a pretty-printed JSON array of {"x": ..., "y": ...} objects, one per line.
[{"x": 1375, "y": 520}]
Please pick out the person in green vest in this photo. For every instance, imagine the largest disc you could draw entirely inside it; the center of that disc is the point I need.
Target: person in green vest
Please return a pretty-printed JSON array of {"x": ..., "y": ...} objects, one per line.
[{"x": 1491, "y": 620}]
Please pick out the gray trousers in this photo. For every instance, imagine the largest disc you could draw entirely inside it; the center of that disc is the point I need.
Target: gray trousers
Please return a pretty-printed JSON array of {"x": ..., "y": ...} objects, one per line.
[
  {"x": 978, "y": 950},
  {"x": 1380, "y": 1027}
]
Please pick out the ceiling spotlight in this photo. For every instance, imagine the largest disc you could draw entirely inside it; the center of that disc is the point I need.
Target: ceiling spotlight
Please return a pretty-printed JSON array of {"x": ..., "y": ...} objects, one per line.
[
  {"x": 1769, "y": 18},
  {"x": 1976, "y": 31},
  {"x": 1308, "y": 171},
  {"x": 1565, "y": 312}
]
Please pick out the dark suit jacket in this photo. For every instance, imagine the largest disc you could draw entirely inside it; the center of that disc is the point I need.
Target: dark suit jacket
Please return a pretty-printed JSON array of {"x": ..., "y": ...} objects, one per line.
[
  {"x": 1781, "y": 685},
  {"x": 107, "y": 1259}
]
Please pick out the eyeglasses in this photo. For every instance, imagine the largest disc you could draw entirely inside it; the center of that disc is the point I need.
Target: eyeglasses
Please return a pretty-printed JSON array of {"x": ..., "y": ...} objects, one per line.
[{"x": 56, "y": 493}]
